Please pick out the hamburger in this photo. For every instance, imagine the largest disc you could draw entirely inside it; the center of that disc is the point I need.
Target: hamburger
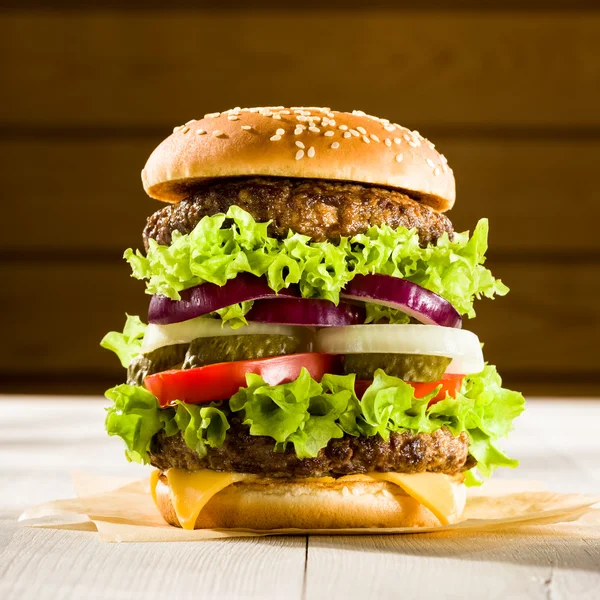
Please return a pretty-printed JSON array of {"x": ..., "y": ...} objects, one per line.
[{"x": 303, "y": 362}]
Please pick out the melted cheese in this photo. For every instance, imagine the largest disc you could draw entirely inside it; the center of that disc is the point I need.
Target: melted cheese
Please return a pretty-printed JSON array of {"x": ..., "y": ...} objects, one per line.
[
  {"x": 191, "y": 491},
  {"x": 434, "y": 491}
]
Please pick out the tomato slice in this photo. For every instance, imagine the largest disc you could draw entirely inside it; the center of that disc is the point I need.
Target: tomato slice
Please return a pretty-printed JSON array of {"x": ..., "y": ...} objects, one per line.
[
  {"x": 223, "y": 380},
  {"x": 450, "y": 385}
]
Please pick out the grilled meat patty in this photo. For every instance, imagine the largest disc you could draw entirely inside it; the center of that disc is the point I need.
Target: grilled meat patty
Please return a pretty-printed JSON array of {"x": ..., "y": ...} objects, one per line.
[
  {"x": 323, "y": 210},
  {"x": 438, "y": 452}
]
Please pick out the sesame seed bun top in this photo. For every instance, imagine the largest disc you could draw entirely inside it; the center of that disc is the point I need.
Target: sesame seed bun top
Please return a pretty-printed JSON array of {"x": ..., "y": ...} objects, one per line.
[{"x": 305, "y": 142}]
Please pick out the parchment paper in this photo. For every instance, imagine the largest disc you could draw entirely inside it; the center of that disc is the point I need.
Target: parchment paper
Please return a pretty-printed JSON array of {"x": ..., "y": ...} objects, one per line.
[{"x": 123, "y": 511}]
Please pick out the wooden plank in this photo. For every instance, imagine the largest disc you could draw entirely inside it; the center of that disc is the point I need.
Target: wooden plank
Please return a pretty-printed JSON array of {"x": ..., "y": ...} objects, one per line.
[
  {"x": 58, "y": 314},
  {"x": 38, "y": 456},
  {"x": 501, "y": 565},
  {"x": 90, "y": 193},
  {"x": 432, "y": 5},
  {"x": 522, "y": 563},
  {"x": 547, "y": 324},
  {"x": 468, "y": 68},
  {"x": 73, "y": 565}
]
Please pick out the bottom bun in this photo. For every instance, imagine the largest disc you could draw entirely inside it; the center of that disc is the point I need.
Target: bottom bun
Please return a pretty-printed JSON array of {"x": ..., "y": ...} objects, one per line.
[{"x": 305, "y": 504}]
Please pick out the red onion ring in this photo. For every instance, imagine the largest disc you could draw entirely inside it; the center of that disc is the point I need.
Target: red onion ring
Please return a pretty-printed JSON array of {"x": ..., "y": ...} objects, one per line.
[
  {"x": 209, "y": 297},
  {"x": 401, "y": 294},
  {"x": 309, "y": 312}
]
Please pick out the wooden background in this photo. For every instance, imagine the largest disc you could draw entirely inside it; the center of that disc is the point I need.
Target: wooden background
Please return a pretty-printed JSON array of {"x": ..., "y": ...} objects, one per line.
[{"x": 511, "y": 97}]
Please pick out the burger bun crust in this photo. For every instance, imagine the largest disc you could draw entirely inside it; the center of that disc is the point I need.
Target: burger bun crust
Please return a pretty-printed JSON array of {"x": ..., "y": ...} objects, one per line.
[
  {"x": 309, "y": 143},
  {"x": 297, "y": 504}
]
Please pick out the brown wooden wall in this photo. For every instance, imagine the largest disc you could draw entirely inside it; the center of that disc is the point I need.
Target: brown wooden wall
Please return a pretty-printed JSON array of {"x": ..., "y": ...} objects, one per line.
[{"x": 512, "y": 98}]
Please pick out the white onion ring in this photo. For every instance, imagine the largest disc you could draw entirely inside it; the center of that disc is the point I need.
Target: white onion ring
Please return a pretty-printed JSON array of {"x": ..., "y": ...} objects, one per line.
[
  {"x": 157, "y": 336},
  {"x": 460, "y": 345}
]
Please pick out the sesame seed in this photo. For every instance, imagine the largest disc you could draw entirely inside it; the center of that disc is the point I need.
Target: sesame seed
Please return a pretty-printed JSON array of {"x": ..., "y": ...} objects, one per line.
[
  {"x": 354, "y": 132},
  {"x": 361, "y": 130},
  {"x": 314, "y": 129},
  {"x": 331, "y": 114},
  {"x": 332, "y": 122},
  {"x": 232, "y": 118},
  {"x": 191, "y": 121},
  {"x": 414, "y": 143},
  {"x": 212, "y": 115},
  {"x": 366, "y": 140},
  {"x": 444, "y": 167},
  {"x": 246, "y": 127},
  {"x": 177, "y": 128},
  {"x": 298, "y": 131},
  {"x": 347, "y": 134},
  {"x": 299, "y": 154},
  {"x": 200, "y": 131},
  {"x": 329, "y": 133},
  {"x": 311, "y": 152},
  {"x": 436, "y": 171},
  {"x": 443, "y": 159},
  {"x": 280, "y": 131},
  {"x": 387, "y": 142},
  {"x": 430, "y": 163},
  {"x": 286, "y": 112},
  {"x": 217, "y": 132},
  {"x": 374, "y": 137},
  {"x": 389, "y": 127},
  {"x": 275, "y": 138},
  {"x": 335, "y": 145},
  {"x": 277, "y": 116},
  {"x": 343, "y": 127},
  {"x": 397, "y": 140},
  {"x": 359, "y": 113},
  {"x": 299, "y": 144},
  {"x": 399, "y": 157},
  {"x": 185, "y": 130},
  {"x": 407, "y": 137}
]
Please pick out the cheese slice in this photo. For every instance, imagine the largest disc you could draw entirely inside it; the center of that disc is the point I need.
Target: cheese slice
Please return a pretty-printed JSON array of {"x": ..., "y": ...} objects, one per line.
[
  {"x": 434, "y": 491},
  {"x": 190, "y": 491}
]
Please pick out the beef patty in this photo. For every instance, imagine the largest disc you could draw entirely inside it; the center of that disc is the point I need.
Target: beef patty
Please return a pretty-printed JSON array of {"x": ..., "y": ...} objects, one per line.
[
  {"x": 438, "y": 452},
  {"x": 323, "y": 210}
]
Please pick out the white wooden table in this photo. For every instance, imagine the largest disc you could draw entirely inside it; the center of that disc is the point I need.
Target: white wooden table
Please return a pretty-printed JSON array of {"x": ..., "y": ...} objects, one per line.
[{"x": 43, "y": 439}]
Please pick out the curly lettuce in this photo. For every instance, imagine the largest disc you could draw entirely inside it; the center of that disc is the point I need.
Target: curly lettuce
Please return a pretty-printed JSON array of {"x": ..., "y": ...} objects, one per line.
[
  {"x": 136, "y": 417},
  {"x": 307, "y": 414},
  {"x": 223, "y": 245},
  {"x": 126, "y": 345}
]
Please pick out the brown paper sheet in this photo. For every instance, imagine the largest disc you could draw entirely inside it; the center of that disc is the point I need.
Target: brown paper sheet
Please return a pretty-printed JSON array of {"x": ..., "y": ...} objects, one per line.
[{"x": 123, "y": 511}]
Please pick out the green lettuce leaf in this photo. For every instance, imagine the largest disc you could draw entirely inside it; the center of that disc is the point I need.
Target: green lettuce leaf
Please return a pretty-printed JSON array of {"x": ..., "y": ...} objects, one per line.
[
  {"x": 223, "y": 245},
  {"x": 234, "y": 315},
  {"x": 136, "y": 416},
  {"x": 377, "y": 313},
  {"x": 308, "y": 415},
  {"x": 126, "y": 345}
]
